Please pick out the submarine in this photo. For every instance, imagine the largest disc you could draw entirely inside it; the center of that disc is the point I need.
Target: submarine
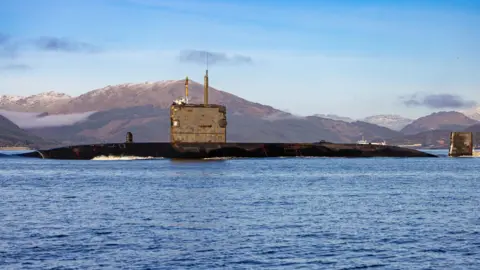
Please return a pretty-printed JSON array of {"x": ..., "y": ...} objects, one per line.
[{"x": 199, "y": 131}]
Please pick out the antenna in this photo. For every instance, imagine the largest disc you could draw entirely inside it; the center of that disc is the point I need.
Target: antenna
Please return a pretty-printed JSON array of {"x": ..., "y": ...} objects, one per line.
[
  {"x": 186, "y": 90},
  {"x": 205, "y": 85}
]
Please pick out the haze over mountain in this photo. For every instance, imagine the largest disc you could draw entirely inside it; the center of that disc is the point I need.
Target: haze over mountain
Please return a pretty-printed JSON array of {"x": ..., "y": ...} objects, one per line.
[
  {"x": 12, "y": 135},
  {"x": 35, "y": 120}
]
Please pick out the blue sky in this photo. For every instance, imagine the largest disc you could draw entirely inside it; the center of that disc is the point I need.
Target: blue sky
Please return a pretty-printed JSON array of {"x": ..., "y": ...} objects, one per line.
[{"x": 352, "y": 58}]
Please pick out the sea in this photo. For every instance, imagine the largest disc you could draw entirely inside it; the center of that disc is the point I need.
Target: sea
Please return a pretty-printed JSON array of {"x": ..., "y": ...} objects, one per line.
[{"x": 272, "y": 213}]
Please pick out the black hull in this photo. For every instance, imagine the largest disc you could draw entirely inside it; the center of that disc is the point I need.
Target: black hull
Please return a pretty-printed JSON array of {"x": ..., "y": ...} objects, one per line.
[{"x": 219, "y": 150}]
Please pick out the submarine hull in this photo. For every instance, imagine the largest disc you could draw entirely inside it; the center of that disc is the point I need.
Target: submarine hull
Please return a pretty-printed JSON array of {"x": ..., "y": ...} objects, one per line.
[{"x": 221, "y": 150}]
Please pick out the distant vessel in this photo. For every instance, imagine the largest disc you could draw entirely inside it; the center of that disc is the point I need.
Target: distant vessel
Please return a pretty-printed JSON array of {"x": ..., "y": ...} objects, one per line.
[
  {"x": 379, "y": 143},
  {"x": 363, "y": 141}
]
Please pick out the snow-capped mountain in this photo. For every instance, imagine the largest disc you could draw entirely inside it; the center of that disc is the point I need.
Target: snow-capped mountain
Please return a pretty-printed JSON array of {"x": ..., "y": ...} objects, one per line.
[
  {"x": 394, "y": 122},
  {"x": 34, "y": 103},
  {"x": 7, "y": 99},
  {"x": 159, "y": 94},
  {"x": 473, "y": 113},
  {"x": 132, "y": 88},
  {"x": 335, "y": 117}
]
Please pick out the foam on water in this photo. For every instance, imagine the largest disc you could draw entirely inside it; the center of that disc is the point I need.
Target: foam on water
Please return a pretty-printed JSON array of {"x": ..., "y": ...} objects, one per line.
[
  {"x": 122, "y": 158},
  {"x": 220, "y": 158}
]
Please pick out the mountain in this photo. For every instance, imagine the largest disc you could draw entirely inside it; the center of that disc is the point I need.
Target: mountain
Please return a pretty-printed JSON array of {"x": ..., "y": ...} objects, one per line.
[
  {"x": 394, "y": 122},
  {"x": 473, "y": 113},
  {"x": 106, "y": 114},
  {"x": 150, "y": 123},
  {"x": 475, "y": 128},
  {"x": 335, "y": 117},
  {"x": 376, "y": 132},
  {"x": 476, "y": 133},
  {"x": 426, "y": 138},
  {"x": 452, "y": 121},
  {"x": 35, "y": 103},
  {"x": 437, "y": 138},
  {"x": 159, "y": 94},
  {"x": 12, "y": 135}
]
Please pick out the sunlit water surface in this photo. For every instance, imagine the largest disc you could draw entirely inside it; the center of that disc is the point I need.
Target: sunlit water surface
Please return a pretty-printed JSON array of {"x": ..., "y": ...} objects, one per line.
[{"x": 293, "y": 213}]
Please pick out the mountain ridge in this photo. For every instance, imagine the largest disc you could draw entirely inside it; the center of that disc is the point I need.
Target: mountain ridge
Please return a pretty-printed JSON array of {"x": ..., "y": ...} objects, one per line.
[
  {"x": 107, "y": 113},
  {"x": 94, "y": 100},
  {"x": 160, "y": 94},
  {"x": 33, "y": 103},
  {"x": 392, "y": 121},
  {"x": 443, "y": 120}
]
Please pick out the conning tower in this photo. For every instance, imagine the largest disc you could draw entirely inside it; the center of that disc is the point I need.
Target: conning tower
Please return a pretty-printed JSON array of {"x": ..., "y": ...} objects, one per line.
[
  {"x": 461, "y": 144},
  {"x": 198, "y": 123}
]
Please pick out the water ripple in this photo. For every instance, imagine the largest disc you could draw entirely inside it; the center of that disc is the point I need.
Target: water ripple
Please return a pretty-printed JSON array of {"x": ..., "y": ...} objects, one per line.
[{"x": 273, "y": 214}]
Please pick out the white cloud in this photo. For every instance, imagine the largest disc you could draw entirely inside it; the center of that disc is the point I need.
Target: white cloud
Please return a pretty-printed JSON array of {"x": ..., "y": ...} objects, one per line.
[{"x": 32, "y": 120}]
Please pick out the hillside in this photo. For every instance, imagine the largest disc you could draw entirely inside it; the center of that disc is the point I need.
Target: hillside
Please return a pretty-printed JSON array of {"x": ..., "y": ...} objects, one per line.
[
  {"x": 106, "y": 114},
  {"x": 473, "y": 113},
  {"x": 377, "y": 132},
  {"x": 335, "y": 117},
  {"x": 149, "y": 123},
  {"x": 143, "y": 110},
  {"x": 425, "y": 138},
  {"x": 35, "y": 103},
  {"x": 452, "y": 121},
  {"x": 12, "y": 135},
  {"x": 159, "y": 94},
  {"x": 475, "y": 128},
  {"x": 394, "y": 122}
]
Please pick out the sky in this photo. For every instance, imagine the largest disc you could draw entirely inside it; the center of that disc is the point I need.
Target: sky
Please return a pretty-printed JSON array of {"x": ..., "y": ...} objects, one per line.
[{"x": 350, "y": 58}]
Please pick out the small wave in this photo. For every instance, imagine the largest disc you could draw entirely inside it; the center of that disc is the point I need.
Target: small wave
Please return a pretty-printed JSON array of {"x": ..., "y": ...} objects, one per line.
[
  {"x": 219, "y": 158},
  {"x": 122, "y": 158}
]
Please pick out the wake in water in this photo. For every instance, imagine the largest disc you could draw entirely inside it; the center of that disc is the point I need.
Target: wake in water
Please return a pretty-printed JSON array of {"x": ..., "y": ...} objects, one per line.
[
  {"x": 219, "y": 158},
  {"x": 123, "y": 158}
]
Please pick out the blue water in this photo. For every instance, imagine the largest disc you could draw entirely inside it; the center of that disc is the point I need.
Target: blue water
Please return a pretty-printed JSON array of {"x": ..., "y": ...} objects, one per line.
[{"x": 310, "y": 213}]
